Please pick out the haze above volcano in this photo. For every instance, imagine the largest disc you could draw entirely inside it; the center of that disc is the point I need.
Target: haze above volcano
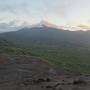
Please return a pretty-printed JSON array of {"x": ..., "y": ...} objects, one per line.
[{"x": 71, "y": 14}]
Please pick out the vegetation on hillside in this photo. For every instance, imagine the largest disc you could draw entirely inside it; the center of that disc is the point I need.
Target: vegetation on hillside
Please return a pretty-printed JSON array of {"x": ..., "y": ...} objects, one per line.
[
  {"x": 67, "y": 50},
  {"x": 74, "y": 60}
]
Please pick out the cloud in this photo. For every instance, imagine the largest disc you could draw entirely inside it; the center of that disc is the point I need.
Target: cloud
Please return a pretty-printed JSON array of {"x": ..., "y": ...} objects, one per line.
[
  {"x": 10, "y": 26},
  {"x": 58, "y": 7},
  {"x": 84, "y": 27},
  {"x": 8, "y": 9},
  {"x": 61, "y": 11},
  {"x": 54, "y": 7},
  {"x": 13, "y": 6}
]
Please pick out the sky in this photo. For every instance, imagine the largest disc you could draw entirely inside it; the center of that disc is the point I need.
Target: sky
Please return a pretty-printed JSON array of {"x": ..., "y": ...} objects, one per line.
[{"x": 59, "y": 12}]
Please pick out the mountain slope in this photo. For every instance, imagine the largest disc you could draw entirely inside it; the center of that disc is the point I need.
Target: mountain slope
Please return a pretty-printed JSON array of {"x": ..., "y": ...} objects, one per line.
[
  {"x": 64, "y": 49},
  {"x": 48, "y": 36}
]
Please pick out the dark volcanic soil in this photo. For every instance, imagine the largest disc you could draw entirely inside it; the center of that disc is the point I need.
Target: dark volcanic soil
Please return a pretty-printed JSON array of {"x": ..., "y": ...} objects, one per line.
[{"x": 30, "y": 73}]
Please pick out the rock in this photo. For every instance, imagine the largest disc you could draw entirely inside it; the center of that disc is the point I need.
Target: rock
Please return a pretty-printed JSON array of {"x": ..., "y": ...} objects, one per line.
[{"x": 79, "y": 82}]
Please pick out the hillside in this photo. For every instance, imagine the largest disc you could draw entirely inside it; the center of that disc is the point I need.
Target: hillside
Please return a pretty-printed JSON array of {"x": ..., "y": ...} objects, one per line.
[
  {"x": 47, "y": 36},
  {"x": 66, "y": 50},
  {"x": 22, "y": 72}
]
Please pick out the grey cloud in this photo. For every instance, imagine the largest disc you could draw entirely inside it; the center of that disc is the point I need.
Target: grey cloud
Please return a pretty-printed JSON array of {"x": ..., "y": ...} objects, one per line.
[
  {"x": 18, "y": 7},
  {"x": 8, "y": 9},
  {"x": 57, "y": 7},
  {"x": 5, "y": 27}
]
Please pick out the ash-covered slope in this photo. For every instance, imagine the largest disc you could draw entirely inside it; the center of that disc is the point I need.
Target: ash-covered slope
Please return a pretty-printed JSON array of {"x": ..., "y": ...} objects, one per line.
[
  {"x": 33, "y": 63},
  {"x": 31, "y": 73},
  {"x": 18, "y": 72}
]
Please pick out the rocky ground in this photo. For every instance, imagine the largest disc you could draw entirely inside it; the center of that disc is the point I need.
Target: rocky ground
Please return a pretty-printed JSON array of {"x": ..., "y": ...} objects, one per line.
[{"x": 30, "y": 73}]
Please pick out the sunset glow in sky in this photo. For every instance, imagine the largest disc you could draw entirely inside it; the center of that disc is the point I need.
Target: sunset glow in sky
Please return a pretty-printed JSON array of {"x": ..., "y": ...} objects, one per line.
[{"x": 59, "y": 12}]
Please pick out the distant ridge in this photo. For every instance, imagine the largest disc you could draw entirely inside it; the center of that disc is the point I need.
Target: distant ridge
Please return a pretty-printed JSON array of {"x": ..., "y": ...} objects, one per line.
[{"x": 45, "y": 34}]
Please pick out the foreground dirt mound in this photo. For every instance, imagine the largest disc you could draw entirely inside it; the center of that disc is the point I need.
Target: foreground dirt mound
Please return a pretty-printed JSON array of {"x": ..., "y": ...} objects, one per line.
[
  {"x": 32, "y": 73},
  {"x": 32, "y": 63},
  {"x": 4, "y": 59}
]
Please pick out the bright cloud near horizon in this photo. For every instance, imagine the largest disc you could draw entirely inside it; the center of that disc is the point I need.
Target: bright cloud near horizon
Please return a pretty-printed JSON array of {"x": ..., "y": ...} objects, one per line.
[{"x": 59, "y": 12}]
